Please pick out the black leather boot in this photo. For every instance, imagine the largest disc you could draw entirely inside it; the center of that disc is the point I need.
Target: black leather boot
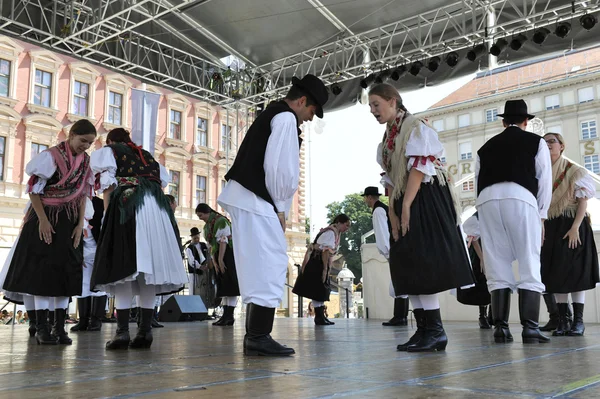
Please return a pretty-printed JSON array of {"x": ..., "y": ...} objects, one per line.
[
  {"x": 490, "y": 316},
  {"x": 97, "y": 313},
  {"x": 529, "y": 309},
  {"x": 329, "y": 322},
  {"x": 501, "y": 312},
  {"x": 227, "y": 319},
  {"x": 58, "y": 330},
  {"x": 400, "y": 313},
  {"x": 258, "y": 341},
  {"x": 32, "y": 322},
  {"x": 218, "y": 322},
  {"x": 483, "y": 320},
  {"x": 84, "y": 305},
  {"x": 434, "y": 338},
  {"x": 563, "y": 326},
  {"x": 42, "y": 327},
  {"x": 155, "y": 323},
  {"x": 121, "y": 338},
  {"x": 420, "y": 319},
  {"x": 51, "y": 318},
  {"x": 569, "y": 314},
  {"x": 320, "y": 316},
  {"x": 143, "y": 338},
  {"x": 552, "y": 311},
  {"x": 577, "y": 328}
]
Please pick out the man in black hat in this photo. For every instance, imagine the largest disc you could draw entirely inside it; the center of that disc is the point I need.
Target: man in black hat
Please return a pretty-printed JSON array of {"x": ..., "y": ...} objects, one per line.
[
  {"x": 195, "y": 258},
  {"x": 514, "y": 190},
  {"x": 260, "y": 190},
  {"x": 382, "y": 228}
]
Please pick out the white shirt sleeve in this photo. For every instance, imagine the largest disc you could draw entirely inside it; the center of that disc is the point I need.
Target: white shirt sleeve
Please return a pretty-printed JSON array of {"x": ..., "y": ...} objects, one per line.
[
  {"x": 422, "y": 144},
  {"x": 104, "y": 166},
  {"x": 190, "y": 256},
  {"x": 42, "y": 166},
  {"x": 382, "y": 233},
  {"x": 543, "y": 173},
  {"x": 471, "y": 227},
  {"x": 585, "y": 187},
  {"x": 165, "y": 177},
  {"x": 327, "y": 240},
  {"x": 282, "y": 161},
  {"x": 477, "y": 167},
  {"x": 223, "y": 235}
]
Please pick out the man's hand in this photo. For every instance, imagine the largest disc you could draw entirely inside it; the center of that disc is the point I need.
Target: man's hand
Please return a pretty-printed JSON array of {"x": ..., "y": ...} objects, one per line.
[{"x": 281, "y": 217}]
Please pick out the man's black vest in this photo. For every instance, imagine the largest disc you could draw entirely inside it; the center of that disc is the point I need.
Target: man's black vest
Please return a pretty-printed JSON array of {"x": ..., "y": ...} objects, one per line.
[
  {"x": 509, "y": 157},
  {"x": 248, "y": 167},
  {"x": 380, "y": 204},
  {"x": 197, "y": 257}
]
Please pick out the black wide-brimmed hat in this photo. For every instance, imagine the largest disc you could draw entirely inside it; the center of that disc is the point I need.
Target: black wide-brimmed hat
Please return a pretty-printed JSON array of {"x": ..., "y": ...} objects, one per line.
[
  {"x": 371, "y": 191},
  {"x": 315, "y": 88},
  {"x": 194, "y": 231},
  {"x": 516, "y": 108}
]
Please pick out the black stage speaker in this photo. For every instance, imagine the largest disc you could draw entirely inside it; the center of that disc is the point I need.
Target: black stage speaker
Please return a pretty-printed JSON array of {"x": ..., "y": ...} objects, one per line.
[{"x": 183, "y": 308}]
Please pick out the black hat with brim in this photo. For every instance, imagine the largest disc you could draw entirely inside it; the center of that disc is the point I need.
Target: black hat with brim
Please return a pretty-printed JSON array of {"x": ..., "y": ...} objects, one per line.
[
  {"x": 516, "y": 108},
  {"x": 315, "y": 88}
]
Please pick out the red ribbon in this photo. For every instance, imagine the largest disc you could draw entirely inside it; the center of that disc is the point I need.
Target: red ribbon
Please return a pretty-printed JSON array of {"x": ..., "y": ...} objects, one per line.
[{"x": 139, "y": 150}]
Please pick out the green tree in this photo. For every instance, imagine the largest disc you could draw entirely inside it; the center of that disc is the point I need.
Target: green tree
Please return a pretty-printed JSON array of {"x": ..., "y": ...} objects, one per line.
[
  {"x": 307, "y": 229},
  {"x": 354, "y": 206}
]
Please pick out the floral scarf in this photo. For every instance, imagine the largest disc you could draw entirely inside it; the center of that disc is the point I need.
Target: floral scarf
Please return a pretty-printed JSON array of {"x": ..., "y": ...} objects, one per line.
[
  {"x": 389, "y": 140},
  {"x": 564, "y": 176}
]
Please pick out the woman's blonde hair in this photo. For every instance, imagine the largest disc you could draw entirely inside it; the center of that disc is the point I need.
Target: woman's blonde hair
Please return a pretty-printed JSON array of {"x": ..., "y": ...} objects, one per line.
[
  {"x": 387, "y": 92},
  {"x": 560, "y": 139}
]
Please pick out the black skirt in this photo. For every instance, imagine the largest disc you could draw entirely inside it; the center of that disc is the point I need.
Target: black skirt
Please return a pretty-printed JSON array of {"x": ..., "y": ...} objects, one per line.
[
  {"x": 479, "y": 294},
  {"x": 227, "y": 283},
  {"x": 309, "y": 283},
  {"x": 432, "y": 256},
  {"x": 566, "y": 270},
  {"x": 46, "y": 270}
]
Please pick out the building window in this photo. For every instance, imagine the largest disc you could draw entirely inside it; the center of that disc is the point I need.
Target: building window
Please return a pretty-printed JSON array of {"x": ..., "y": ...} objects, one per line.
[
  {"x": 465, "y": 151},
  {"x": 225, "y": 133},
  {"x": 588, "y": 130},
  {"x": 42, "y": 92},
  {"x": 37, "y": 148},
  {"x": 585, "y": 95},
  {"x": 552, "y": 102},
  {"x": 468, "y": 185},
  {"x": 443, "y": 160},
  {"x": 464, "y": 120},
  {"x": 202, "y": 132},
  {"x": 115, "y": 108},
  {"x": 174, "y": 185},
  {"x": 438, "y": 125},
  {"x": 175, "y": 125},
  {"x": 491, "y": 115},
  {"x": 80, "y": 98},
  {"x": 4, "y": 78},
  {"x": 592, "y": 163},
  {"x": 2, "y": 151},
  {"x": 200, "y": 189}
]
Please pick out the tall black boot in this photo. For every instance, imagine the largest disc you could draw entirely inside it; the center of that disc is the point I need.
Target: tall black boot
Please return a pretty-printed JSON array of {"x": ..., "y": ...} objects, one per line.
[
  {"x": 143, "y": 338},
  {"x": 577, "y": 328},
  {"x": 501, "y": 312},
  {"x": 32, "y": 322},
  {"x": 552, "y": 311},
  {"x": 490, "y": 316},
  {"x": 121, "y": 338},
  {"x": 400, "y": 313},
  {"x": 84, "y": 305},
  {"x": 320, "y": 316},
  {"x": 563, "y": 323},
  {"x": 220, "y": 321},
  {"x": 51, "y": 317},
  {"x": 483, "y": 321},
  {"x": 529, "y": 309},
  {"x": 98, "y": 312},
  {"x": 434, "y": 338},
  {"x": 258, "y": 341},
  {"x": 569, "y": 314},
  {"x": 58, "y": 330},
  {"x": 416, "y": 337},
  {"x": 42, "y": 327},
  {"x": 227, "y": 319},
  {"x": 155, "y": 323}
]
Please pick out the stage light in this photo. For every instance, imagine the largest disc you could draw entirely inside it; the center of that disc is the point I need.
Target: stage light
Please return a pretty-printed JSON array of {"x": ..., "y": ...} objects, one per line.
[
  {"x": 452, "y": 59},
  {"x": 398, "y": 72},
  {"x": 433, "y": 64},
  {"x": 336, "y": 89},
  {"x": 562, "y": 29},
  {"x": 517, "y": 42},
  {"x": 366, "y": 82},
  {"x": 498, "y": 47},
  {"x": 382, "y": 77},
  {"x": 415, "y": 68},
  {"x": 476, "y": 52},
  {"x": 540, "y": 35},
  {"x": 588, "y": 21}
]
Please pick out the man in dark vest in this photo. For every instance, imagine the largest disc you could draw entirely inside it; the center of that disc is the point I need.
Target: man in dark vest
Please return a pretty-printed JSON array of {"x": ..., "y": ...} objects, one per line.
[
  {"x": 514, "y": 190},
  {"x": 195, "y": 259},
  {"x": 260, "y": 190},
  {"x": 382, "y": 228}
]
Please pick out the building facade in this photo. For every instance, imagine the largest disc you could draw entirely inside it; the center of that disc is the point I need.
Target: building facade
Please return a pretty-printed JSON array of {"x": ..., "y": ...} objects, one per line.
[{"x": 43, "y": 93}]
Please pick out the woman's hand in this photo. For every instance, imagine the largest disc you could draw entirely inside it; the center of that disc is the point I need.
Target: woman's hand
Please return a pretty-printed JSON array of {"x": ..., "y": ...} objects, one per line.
[
  {"x": 76, "y": 235},
  {"x": 573, "y": 237},
  {"x": 405, "y": 220},
  {"x": 46, "y": 231},
  {"x": 395, "y": 222},
  {"x": 222, "y": 265}
]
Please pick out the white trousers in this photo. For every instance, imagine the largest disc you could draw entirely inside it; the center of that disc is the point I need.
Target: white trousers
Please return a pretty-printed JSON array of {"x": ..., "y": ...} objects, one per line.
[
  {"x": 192, "y": 285},
  {"x": 261, "y": 258},
  {"x": 511, "y": 230}
]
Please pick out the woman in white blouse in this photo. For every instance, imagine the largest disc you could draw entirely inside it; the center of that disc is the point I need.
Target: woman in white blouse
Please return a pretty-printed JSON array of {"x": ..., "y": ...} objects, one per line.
[
  {"x": 569, "y": 256},
  {"x": 427, "y": 251}
]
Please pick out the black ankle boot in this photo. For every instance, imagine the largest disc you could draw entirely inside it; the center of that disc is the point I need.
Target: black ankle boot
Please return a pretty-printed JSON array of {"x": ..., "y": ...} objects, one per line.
[
  {"x": 483, "y": 320},
  {"x": 563, "y": 326},
  {"x": 490, "y": 316},
  {"x": 143, "y": 338},
  {"x": 501, "y": 312},
  {"x": 227, "y": 319},
  {"x": 220, "y": 321},
  {"x": 420, "y": 319},
  {"x": 84, "y": 306},
  {"x": 155, "y": 323},
  {"x": 121, "y": 338},
  {"x": 552, "y": 311},
  {"x": 569, "y": 314},
  {"x": 400, "y": 313},
  {"x": 97, "y": 313},
  {"x": 529, "y": 309},
  {"x": 577, "y": 328},
  {"x": 258, "y": 341},
  {"x": 42, "y": 327},
  {"x": 320, "y": 319},
  {"x": 434, "y": 338},
  {"x": 58, "y": 330},
  {"x": 32, "y": 322}
]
